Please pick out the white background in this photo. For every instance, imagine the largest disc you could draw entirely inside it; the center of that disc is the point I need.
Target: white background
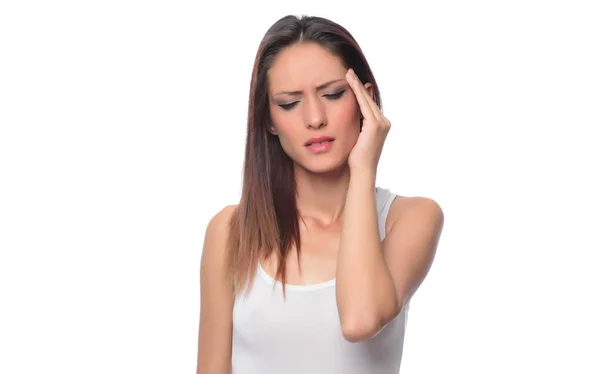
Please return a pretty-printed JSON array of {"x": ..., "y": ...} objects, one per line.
[{"x": 122, "y": 134}]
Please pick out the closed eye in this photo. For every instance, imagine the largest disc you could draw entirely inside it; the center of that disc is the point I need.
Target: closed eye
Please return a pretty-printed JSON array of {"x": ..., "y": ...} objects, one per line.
[
  {"x": 289, "y": 106},
  {"x": 334, "y": 96}
]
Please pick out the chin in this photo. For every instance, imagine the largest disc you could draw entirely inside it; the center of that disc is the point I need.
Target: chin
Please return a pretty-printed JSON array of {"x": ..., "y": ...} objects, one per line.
[
  {"x": 325, "y": 166},
  {"x": 333, "y": 162}
]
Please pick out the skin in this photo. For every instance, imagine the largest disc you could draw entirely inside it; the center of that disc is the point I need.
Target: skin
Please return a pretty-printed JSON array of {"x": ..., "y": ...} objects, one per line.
[{"x": 336, "y": 201}]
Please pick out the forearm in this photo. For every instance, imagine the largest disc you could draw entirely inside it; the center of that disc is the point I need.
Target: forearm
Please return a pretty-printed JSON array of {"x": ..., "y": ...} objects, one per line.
[{"x": 365, "y": 291}]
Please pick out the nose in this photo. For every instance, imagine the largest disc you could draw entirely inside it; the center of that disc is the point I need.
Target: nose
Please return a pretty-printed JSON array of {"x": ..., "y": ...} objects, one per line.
[{"x": 314, "y": 113}]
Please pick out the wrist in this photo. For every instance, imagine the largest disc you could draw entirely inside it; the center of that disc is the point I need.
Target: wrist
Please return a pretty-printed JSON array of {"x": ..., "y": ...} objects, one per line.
[{"x": 363, "y": 176}]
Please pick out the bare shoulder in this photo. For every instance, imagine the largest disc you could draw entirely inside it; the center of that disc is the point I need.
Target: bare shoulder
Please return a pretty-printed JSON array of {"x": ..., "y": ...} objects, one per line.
[
  {"x": 220, "y": 221},
  {"x": 403, "y": 203},
  {"x": 416, "y": 209},
  {"x": 218, "y": 227},
  {"x": 217, "y": 232}
]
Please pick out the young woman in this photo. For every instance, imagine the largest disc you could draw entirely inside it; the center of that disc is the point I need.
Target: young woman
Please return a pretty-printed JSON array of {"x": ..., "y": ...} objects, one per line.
[{"x": 312, "y": 272}]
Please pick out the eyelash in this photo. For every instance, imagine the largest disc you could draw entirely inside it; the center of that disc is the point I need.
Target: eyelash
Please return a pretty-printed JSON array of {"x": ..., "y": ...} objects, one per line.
[{"x": 334, "y": 96}]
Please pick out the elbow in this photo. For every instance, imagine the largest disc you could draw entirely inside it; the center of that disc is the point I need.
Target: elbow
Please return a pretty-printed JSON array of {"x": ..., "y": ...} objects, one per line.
[
  {"x": 357, "y": 330},
  {"x": 365, "y": 320},
  {"x": 366, "y": 326}
]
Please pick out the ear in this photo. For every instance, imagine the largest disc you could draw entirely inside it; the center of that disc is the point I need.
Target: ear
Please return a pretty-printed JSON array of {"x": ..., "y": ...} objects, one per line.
[{"x": 273, "y": 131}]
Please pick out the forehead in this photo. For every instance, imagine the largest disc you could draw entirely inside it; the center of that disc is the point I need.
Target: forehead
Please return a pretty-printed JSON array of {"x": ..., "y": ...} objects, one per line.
[{"x": 302, "y": 66}]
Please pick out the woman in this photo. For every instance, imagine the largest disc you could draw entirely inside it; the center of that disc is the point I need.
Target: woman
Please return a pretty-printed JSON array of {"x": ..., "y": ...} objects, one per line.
[{"x": 313, "y": 271}]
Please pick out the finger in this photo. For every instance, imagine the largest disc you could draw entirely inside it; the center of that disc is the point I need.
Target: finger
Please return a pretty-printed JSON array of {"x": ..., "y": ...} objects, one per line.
[
  {"x": 363, "y": 103},
  {"x": 374, "y": 108},
  {"x": 383, "y": 122}
]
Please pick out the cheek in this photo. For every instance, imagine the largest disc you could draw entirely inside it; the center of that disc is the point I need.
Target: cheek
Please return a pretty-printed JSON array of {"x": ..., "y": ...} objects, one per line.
[
  {"x": 282, "y": 121},
  {"x": 287, "y": 128},
  {"x": 347, "y": 113}
]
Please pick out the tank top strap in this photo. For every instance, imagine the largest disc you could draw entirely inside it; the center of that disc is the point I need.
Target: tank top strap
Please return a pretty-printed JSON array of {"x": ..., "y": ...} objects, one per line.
[{"x": 384, "y": 198}]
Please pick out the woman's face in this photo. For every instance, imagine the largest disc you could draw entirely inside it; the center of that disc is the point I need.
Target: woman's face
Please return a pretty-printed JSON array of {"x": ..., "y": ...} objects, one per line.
[{"x": 309, "y": 97}]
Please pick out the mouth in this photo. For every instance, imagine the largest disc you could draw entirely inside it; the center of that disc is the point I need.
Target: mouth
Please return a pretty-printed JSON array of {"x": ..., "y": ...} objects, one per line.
[
  {"x": 319, "y": 145},
  {"x": 318, "y": 141}
]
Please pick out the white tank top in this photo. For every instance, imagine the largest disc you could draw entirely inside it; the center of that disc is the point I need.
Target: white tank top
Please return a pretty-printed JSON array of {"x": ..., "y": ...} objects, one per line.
[{"x": 302, "y": 335}]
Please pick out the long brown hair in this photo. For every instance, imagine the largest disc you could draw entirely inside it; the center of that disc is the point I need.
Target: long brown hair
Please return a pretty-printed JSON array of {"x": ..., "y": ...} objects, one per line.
[{"x": 266, "y": 220}]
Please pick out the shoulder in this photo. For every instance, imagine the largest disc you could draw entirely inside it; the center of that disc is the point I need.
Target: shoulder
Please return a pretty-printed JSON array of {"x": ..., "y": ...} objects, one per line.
[
  {"x": 219, "y": 223},
  {"x": 416, "y": 209},
  {"x": 217, "y": 232}
]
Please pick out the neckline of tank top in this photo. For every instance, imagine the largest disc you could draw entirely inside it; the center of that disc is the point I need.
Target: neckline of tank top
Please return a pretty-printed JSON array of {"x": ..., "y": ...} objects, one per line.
[
  {"x": 294, "y": 287},
  {"x": 300, "y": 287}
]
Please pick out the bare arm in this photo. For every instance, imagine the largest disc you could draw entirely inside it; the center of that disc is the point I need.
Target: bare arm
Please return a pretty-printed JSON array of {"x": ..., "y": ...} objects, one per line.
[
  {"x": 216, "y": 299},
  {"x": 365, "y": 290},
  {"x": 374, "y": 279}
]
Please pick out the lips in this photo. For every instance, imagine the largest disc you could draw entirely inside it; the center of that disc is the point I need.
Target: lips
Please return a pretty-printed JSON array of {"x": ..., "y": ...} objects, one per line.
[{"x": 317, "y": 140}]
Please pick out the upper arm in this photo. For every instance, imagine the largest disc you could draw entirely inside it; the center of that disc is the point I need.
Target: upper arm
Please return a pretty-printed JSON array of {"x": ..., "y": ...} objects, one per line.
[
  {"x": 409, "y": 247},
  {"x": 216, "y": 298}
]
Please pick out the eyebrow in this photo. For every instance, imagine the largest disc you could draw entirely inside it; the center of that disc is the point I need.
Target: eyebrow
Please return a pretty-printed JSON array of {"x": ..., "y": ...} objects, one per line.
[{"x": 318, "y": 88}]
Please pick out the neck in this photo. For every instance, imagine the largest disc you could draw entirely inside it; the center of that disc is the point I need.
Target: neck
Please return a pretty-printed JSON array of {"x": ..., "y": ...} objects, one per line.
[{"x": 321, "y": 196}]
